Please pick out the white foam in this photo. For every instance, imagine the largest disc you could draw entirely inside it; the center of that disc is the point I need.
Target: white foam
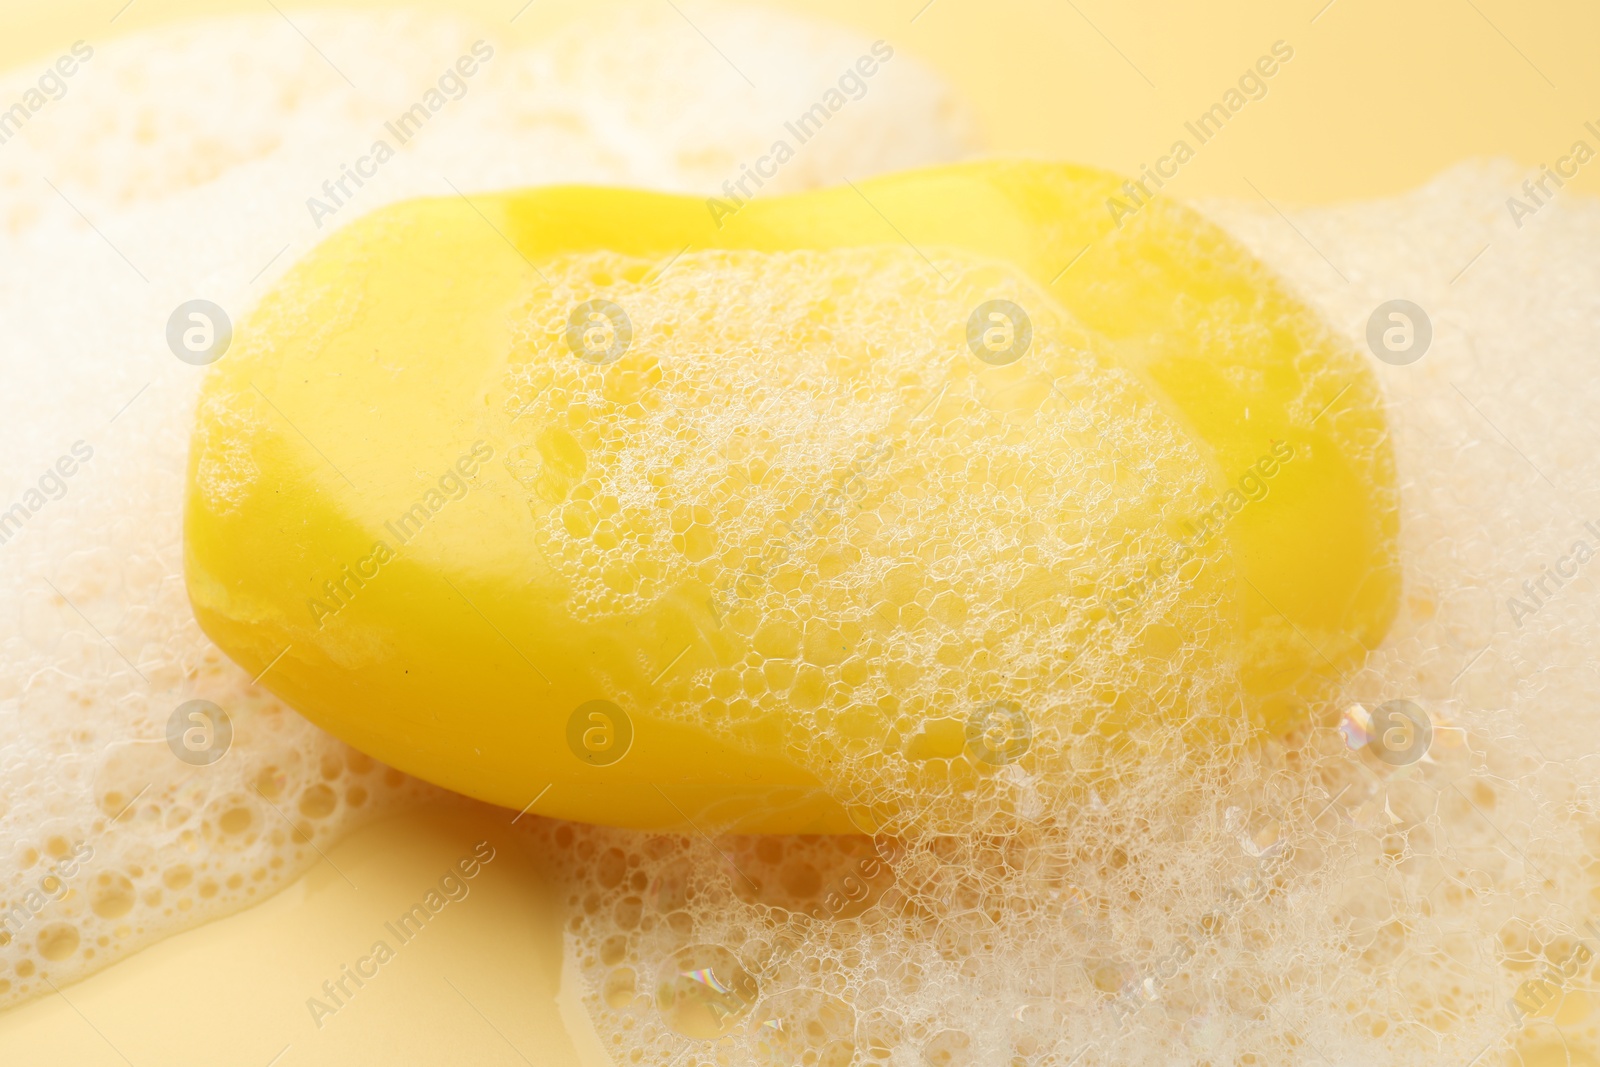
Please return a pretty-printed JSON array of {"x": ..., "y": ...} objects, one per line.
[
  {"x": 1305, "y": 904},
  {"x": 182, "y": 161}
]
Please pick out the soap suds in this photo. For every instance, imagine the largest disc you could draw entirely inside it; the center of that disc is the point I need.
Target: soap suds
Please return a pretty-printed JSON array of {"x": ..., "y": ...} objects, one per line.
[
  {"x": 1298, "y": 902},
  {"x": 179, "y": 165},
  {"x": 804, "y": 445},
  {"x": 1302, "y": 904}
]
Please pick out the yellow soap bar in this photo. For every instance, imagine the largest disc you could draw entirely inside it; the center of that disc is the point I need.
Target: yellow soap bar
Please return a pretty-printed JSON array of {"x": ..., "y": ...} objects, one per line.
[{"x": 896, "y": 501}]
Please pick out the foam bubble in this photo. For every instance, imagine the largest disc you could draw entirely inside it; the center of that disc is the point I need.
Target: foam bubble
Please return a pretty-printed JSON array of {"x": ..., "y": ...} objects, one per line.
[
  {"x": 805, "y": 436},
  {"x": 124, "y": 817},
  {"x": 1331, "y": 896},
  {"x": 1302, "y": 901}
]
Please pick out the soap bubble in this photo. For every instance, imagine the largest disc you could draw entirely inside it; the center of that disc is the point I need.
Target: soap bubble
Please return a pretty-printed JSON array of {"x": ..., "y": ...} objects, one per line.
[
  {"x": 702, "y": 991},
  {"x": 57, "y": 941},
  {"x": 1134, "y": 917},
  {"x": 805, "y": 1028},
  {"x": 85, "y": 776}
]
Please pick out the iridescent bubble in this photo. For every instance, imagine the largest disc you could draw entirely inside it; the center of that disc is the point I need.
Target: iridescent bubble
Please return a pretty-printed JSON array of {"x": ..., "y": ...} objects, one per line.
[
  {"x": 1355, "y": 726},
  {"x": 805, "y": 1028},
  {"x": 703, "y": 992}
]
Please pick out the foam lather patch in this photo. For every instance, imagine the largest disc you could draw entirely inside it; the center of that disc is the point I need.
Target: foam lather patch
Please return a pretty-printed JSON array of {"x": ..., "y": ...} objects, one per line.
[
  {"x": 806, "y": 509},
  {"x": 1292, "y": 903},
  {"x": 146, "y": 783},
  {"x": 1406, "y": 879}
]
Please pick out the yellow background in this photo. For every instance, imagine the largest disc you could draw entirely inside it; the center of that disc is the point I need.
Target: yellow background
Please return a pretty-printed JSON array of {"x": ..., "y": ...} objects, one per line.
[
  {"x": 1381, "y": 94},
  {"x": 1379, "y": 97}
]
